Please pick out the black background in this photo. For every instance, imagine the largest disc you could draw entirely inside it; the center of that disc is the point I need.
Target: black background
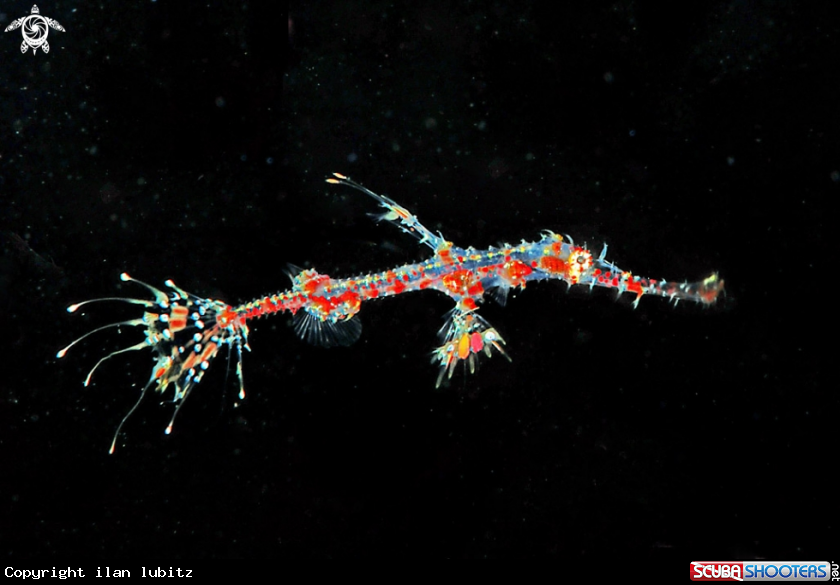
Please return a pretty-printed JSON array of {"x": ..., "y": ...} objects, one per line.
[{"x": 190, "y": 141}]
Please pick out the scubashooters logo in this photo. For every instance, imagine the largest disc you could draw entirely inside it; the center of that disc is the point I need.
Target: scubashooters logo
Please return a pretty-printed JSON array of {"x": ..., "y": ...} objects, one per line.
[{"x": 763, "y": 571}]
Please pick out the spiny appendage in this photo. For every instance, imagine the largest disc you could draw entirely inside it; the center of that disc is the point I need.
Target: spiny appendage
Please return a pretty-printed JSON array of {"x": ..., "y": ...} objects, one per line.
[
  {"x": 605, "y": 274},
  {"x": 396, "y": 213},
  {"x": 185, "y": 333},
  {"x": 465, "y": 335},
  {"x": 704, "y": 292}
]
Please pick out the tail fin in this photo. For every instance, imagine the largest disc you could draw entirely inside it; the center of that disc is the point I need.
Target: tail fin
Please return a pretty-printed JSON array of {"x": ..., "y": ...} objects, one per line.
[{"x": 185, "y": 332}]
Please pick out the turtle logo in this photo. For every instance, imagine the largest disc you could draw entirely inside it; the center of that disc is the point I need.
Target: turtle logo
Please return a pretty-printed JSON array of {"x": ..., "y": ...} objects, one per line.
[{"x": 35, "y": 29}]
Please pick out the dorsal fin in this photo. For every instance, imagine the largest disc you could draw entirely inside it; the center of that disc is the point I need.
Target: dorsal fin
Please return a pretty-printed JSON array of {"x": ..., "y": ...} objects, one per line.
[
  {"x": 396, "y": 214},
  {"x": 292, "y": 270}
]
